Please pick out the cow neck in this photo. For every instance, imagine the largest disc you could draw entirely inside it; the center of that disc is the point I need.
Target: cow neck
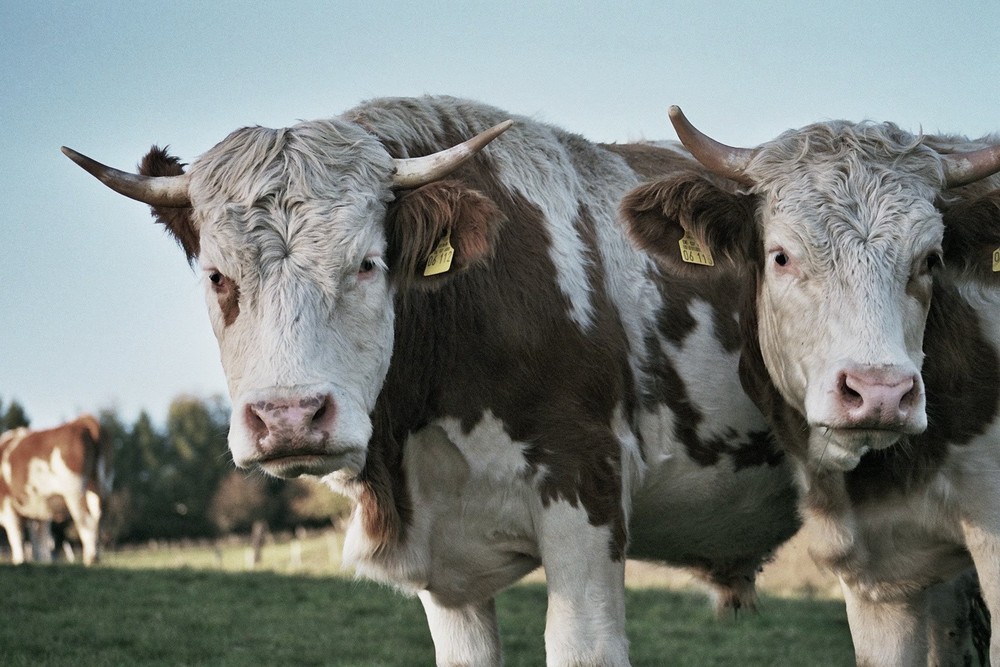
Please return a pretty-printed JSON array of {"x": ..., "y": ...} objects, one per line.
[{"x": 497, "y": 339}]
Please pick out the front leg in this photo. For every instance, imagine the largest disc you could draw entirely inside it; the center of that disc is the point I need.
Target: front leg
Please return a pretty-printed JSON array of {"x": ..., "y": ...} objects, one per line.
[
  {"x": 983, "y": 541},
  {"x": 887, "y": 633},
  {"x": 466, "y": 636},
  {"x": 585, "y": 622}
]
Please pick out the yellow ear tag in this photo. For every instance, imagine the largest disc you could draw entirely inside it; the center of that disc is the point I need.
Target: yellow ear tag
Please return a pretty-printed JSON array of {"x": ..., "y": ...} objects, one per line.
[
  {"x": 996, "y": 260},
  {"x": 440, "y": 260},
  {"x": 693, "y": 253}
]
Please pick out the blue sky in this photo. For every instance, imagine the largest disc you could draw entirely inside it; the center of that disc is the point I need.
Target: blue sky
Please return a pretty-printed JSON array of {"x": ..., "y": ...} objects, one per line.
[{"x": 98, "y": 307}]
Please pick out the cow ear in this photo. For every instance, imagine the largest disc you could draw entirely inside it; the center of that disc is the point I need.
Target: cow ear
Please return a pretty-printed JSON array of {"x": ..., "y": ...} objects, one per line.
[
  {"x": 178, "y": 222},
  {"x": 660, "y": 213},
  {"x": 972, "y": 238},
  {"x": 439, "y": 230}
]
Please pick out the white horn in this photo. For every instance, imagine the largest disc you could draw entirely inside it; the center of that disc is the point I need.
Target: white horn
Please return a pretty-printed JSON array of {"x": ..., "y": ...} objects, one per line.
[
  {"x": 416, "y": 171},
  {"x": 716, "y": 157},
  {"x": 965, "y": 168},
  {"x": 169, "y": 191}
]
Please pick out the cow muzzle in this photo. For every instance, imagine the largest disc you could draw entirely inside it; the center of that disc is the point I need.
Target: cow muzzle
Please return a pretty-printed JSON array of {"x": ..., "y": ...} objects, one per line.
[
  {"x": 289, "y": 432},
  {"x": 866, "y": 408}
]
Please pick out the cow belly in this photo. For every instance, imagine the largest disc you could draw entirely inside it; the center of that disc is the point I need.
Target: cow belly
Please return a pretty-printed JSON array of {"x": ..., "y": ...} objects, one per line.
[
  {"x": 471, "y": 531},
  {"x": 689, "y": 514}
]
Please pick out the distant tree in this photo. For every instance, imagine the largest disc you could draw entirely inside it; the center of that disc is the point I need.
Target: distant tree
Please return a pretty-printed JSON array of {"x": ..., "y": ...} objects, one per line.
[
  {"x": 13, "y": 416},
  {"x": 239, "y": 500},
  {"x": 310, "y": 501},
  {"x": 197, "y": 459}
]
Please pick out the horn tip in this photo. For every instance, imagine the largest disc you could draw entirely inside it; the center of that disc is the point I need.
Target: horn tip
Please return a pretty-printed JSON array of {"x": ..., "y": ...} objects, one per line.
[{"x": 674, "y": 111}]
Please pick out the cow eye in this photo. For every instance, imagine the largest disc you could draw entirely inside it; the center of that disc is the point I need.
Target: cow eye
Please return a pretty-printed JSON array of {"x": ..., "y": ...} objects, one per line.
[
  {"x": 367, "y": 265},
  {"x": 781, "y": 259},
  {"x": 933, "y": 261},
  {"x": 219, "y": 282}
]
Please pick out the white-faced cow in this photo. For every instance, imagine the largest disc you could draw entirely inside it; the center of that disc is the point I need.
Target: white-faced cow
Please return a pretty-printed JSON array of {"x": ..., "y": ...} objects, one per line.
[
  {"x": 872, "y": 342},
  {"x": 467, "y": 345},
  {"x": 54, "y": 475}
]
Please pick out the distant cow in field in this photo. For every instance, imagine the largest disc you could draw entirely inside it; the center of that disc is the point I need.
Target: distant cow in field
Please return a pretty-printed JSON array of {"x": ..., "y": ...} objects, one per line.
[
  {"x": 871, "y": 340},
  {"x": 460, "y": 337},
  {"x": 52, "y": 475}
]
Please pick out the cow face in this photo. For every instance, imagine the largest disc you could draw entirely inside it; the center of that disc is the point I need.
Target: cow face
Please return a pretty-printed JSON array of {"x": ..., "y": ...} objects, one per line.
[
  {"x": 304, "y": 235},
  {"x": 840, "y": 233}
]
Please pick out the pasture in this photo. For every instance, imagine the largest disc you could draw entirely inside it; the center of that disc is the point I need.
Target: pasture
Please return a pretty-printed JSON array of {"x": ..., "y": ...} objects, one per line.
[{"x": 200, "y": 605}]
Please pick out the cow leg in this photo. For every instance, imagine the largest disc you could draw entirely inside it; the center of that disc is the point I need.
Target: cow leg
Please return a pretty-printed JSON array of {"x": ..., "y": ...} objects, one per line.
[
  {"x": 983, "y": 543},
  {"x": 11, "y": 523},
  {"x": 889, "y": 633},
  {"x": 82, "y": 510},
  {"x": 585, "y": 622},
  {"x": 466, "y": 636},
  {"x": 40, "y": 536}
]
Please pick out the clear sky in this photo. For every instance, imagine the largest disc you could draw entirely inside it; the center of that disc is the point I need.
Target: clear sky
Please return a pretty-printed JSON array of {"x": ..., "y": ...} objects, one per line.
[{"x": 98, "y": 307}]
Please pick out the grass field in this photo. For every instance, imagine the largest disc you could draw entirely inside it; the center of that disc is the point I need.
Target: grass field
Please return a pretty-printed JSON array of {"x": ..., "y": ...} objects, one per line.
[{"x": 201, "y": 606}]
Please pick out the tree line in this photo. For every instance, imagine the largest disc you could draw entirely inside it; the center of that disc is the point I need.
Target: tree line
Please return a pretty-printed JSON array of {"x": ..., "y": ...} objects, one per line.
[{"x": 178, "y": 481}]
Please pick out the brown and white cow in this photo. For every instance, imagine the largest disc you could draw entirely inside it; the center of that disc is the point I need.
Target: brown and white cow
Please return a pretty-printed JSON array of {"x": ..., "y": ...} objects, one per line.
[
  {"x": 54, "y": 475},
  {"x": 476, "y": 354},
  {"x": 871, "y": 327}
]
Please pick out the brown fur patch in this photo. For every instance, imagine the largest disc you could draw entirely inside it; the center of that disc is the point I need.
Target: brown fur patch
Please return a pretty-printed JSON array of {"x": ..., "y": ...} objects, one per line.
[
  {"x": 972, "y": 236},
  {"x": 651, "y": 161},
  {"x": 658, "y": 214},
  {"x": 158, "y": 162},
  {"x": 420, "y": 218}
]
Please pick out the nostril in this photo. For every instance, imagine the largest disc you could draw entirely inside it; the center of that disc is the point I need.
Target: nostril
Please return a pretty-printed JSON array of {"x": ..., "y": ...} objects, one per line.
[
  {"x": 255, "y": 422},
  {"x": 911, "y": 397},
  {"x": 850, "y": 397},
  {"x": 324, "y": 414}
]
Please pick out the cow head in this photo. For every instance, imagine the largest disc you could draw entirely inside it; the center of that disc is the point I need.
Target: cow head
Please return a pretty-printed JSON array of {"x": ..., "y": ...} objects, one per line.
[
  {"x": 839, "y": 227},
  {"x": 304, "y": 235}
]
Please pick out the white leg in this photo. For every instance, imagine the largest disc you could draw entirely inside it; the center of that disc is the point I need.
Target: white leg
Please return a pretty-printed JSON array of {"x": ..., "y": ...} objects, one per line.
[
  {"x": 467, "y": 636},
  {"x": 887, "y": 633},
  {"x": 87, "y": 523},
  {"x": 11, "y": 523},
  {"x": 585, "y": 622},
  {"x": 983, "y": 543}
]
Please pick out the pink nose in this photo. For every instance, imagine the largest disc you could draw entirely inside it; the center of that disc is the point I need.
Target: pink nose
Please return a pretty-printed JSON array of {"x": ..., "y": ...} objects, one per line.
[
  {"x": 877, "y": 397},
  {"x": 285, "y": 422}
]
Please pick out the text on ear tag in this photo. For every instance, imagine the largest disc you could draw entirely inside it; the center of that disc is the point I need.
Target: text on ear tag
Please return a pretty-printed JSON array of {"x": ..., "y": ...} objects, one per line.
[
  {"x": 440, "y": 259},
  {"x": 996, "y": 260},
  {"x": 693, "y": 253}
]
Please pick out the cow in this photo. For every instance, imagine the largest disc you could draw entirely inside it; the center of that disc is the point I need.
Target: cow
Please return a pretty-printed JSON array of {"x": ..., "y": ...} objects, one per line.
[
  {"x": 456, "y": 334},
  {"x": 871, "y": 340},
  {"x": 53, "y": 475}
]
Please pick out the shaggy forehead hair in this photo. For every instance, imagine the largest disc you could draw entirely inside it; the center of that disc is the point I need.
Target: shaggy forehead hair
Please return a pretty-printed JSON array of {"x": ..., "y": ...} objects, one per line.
[
  {"x": 863, "y": 184},
  {"x": 313, "y": 160}
]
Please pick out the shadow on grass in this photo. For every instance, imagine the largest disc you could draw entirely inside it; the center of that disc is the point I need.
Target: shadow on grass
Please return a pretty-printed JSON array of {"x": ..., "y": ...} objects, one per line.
[{"x": 68, "y": 615}]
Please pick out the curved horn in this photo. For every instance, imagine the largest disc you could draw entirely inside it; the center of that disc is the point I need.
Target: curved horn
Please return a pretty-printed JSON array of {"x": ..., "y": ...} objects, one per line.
[
  {"x": 718, "y": 158},
  {"x": 169, "y": 191},
  {"x": 416, "y": 171},
  {"x": 965, "y": 168}
]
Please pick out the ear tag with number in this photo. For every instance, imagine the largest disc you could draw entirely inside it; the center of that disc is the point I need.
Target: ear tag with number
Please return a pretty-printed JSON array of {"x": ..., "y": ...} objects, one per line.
[
  {"x": 693, "y": 253},
  {"x": 440, "y": 260},
  {"x": 996, "y": 260}
]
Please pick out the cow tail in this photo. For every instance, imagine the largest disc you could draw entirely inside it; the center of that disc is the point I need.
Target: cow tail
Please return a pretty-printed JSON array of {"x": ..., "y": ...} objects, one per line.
[{"x": 98, "y": 458}]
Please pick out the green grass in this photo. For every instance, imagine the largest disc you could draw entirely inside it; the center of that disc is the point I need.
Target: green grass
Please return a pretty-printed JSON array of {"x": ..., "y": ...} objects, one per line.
[{"x": 154, "y": 615}]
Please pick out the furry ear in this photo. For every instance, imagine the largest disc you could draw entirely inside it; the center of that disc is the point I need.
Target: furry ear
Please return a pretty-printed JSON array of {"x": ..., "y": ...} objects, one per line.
[
  {"x": 972, "y": 238},
  {"x": 420, "y": 220},
  {"x": 158, "y": 162},
  {"x": 660, "y": 213}
]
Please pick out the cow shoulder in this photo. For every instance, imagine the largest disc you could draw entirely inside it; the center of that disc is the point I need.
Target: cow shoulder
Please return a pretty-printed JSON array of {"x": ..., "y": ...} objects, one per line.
[
  {"x": 972, "y": 238},
  {"x": 157, "y": 162},
  {"x": 658, "y": 214}
]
